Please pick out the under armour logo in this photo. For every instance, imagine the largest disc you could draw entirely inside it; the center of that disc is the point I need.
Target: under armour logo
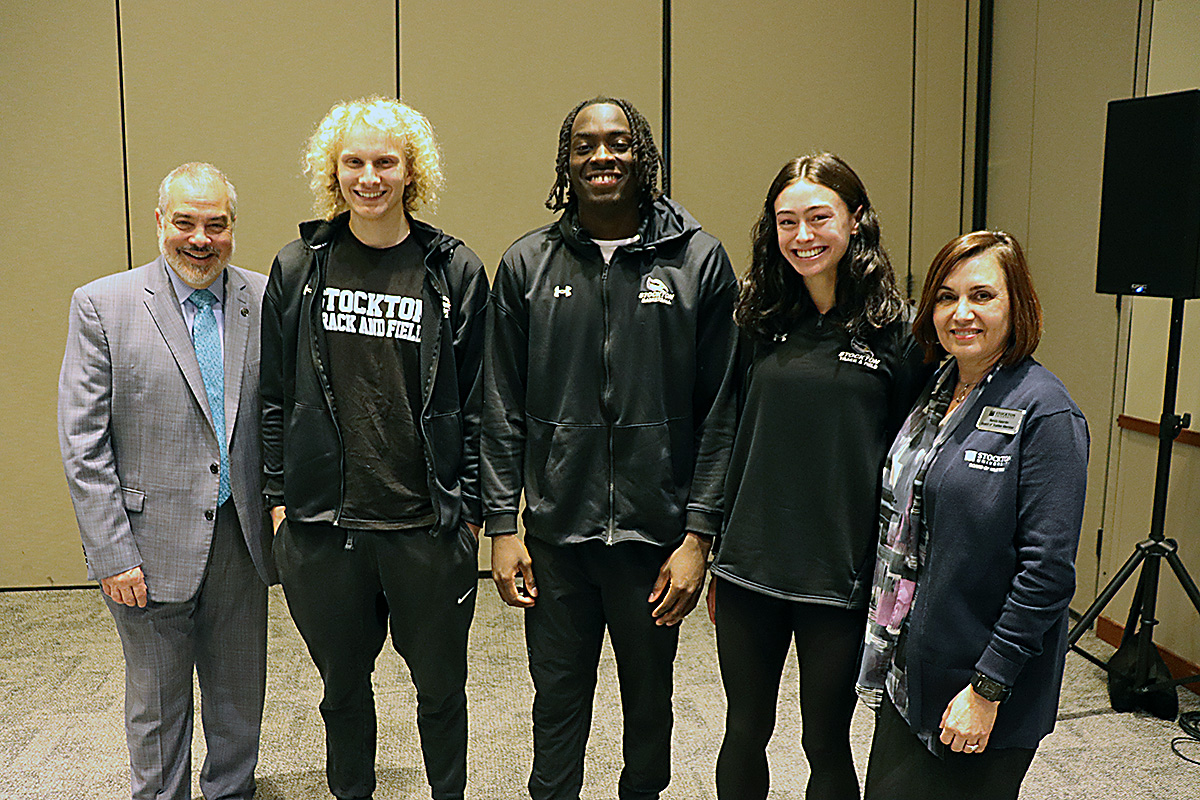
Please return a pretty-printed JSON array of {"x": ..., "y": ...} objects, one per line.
[{"x": 562, "y": 291}]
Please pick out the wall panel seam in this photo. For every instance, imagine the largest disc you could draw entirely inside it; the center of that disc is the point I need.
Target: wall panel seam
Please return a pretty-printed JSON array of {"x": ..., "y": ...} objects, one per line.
[
  {"x": 667, "y": 56},
  {"x": 124, "y": 138},
  {"x": 962, "y": 148},
  {"x": 912, "y": 155},
  {"x": 983, "y": 114}
]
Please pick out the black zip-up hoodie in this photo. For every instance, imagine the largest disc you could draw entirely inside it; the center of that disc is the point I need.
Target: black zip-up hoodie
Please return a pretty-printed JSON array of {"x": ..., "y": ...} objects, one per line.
[
  {"x": 608, "y": 387},
  {"x": 303, "y": 465}
]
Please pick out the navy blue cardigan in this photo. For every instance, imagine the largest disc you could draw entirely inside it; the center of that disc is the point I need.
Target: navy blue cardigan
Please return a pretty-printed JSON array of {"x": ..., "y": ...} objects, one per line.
[{"x": 1003, "y": 513}]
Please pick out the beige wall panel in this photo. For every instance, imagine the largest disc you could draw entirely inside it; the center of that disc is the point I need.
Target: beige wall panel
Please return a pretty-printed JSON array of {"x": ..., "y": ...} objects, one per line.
[
  {"x": 938, "y": 147},
  {"x": 1174, "y": 65},
  {"x": 1148, "y": 359},
  {"x": 244, "y": 94},
  {"x": 497, "y": 78},
  {"x": 1010, "y": 154},
  {"x": 754, "y": 87},
  {"x": 62, "y": 136},
  {"x": 1080, "y": 57},
  {"x": 1174, "y": 59},
  {"x": 1178, "y": 624}
]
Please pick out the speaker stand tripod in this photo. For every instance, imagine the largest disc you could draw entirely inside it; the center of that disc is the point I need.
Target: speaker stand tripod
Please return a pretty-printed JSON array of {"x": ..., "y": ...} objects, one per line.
[{"x": 1150, "y": 553}]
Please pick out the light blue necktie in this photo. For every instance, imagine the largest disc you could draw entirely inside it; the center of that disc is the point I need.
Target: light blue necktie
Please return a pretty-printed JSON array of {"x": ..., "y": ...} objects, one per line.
[{"x": 207, "y": 341}]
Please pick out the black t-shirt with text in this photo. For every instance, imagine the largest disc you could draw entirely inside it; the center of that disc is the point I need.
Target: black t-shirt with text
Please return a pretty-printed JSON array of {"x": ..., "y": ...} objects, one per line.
[{"x": 371, "y": 312}]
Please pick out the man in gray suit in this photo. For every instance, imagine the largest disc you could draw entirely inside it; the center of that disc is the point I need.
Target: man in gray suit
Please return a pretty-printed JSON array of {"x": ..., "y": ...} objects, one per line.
[{"x": 158, "y": 411}]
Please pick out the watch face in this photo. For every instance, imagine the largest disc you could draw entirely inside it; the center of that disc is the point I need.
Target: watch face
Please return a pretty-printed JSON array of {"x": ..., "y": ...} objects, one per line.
[{"x": 988, "y": 689}]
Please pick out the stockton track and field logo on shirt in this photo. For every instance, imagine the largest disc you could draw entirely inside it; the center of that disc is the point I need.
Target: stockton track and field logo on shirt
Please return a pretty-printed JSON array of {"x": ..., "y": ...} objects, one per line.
[
  {"x": 390, "y": 316},
  {"x": 859, "y": 353}
]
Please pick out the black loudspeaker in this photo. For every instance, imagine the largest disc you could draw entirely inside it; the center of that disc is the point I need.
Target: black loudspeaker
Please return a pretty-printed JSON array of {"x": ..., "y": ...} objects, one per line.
[{"x": 1150, "y": 206}]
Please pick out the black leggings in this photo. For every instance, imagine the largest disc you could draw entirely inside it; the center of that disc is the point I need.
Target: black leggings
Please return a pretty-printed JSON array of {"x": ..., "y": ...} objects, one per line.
[{"x": 753, "y": 635}]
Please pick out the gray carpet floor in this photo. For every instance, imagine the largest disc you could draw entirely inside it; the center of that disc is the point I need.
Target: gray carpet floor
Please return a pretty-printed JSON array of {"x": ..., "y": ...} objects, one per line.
[{"x": 61, "y": 734}]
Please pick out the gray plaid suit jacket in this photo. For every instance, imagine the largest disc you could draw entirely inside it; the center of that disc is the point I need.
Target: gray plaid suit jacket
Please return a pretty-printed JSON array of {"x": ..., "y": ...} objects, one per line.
[{"x": 137, "y": 437}]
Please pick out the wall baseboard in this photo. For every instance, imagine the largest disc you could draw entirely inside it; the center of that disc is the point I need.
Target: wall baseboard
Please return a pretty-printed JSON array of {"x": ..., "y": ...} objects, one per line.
[{"x": 1110, "y": 632}]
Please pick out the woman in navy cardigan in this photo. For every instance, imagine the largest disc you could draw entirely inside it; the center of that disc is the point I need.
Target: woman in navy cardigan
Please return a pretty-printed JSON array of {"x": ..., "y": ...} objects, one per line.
[{"x": 982, "y": 506}]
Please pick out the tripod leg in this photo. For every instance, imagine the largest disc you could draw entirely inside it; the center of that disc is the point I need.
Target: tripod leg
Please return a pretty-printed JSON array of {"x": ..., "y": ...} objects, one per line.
[
  {"x": 1185, "y": 580},
  {"x": 1148, "y": 596},
  {"x": 1106, "y": 596}
]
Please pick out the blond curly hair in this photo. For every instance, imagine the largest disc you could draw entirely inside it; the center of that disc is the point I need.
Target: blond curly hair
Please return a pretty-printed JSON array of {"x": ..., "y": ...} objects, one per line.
[{"x": 406, "y": 125}]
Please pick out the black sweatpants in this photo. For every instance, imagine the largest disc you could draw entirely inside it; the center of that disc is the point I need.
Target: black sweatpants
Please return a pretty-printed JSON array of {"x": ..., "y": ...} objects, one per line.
[
  {"x": 582, "y": 589},
  {"x": 754, "y": 632},
  {"x": 342, "y": 592}
]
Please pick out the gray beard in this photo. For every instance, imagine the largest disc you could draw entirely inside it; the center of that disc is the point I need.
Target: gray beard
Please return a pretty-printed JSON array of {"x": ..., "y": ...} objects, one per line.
[{"x": 192, "y": 275}]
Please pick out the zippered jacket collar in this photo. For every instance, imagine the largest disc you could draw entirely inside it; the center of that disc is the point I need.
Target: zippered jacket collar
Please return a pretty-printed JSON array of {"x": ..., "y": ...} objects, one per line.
[
  {"x": 665, "y": 223},
  {"x": 317, "y": 233}
]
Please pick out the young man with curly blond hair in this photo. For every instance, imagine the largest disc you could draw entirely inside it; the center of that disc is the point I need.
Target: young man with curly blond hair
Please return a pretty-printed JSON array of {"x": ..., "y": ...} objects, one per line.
[{"x": 372, "y": 342}]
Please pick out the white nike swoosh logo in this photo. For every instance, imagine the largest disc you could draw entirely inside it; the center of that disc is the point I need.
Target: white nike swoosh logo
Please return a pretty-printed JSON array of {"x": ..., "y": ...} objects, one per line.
[{"x": 465, "y": 596}]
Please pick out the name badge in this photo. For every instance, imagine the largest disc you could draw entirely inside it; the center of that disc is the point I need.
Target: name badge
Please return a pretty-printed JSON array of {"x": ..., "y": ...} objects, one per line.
[{"x": 1000, "y": 420}]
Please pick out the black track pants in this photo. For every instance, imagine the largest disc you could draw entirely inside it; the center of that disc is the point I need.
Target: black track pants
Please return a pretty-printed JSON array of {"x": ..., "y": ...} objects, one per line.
[
  {"x": 582, "y": 589},
  {"x": 344, "y": 600}
]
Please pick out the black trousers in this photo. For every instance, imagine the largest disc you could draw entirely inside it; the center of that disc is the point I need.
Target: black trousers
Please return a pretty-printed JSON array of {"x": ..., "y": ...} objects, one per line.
[
  {"x": 754, "y": 632},
  {"x": 902, "y": 768},
  {"x": 583, "y": 589},
  {"x": 343, "y": 592}
]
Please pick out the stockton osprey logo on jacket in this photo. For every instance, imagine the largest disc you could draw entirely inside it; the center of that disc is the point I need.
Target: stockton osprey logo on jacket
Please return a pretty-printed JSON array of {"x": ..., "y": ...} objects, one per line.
[{"x": 654, "y": 290}]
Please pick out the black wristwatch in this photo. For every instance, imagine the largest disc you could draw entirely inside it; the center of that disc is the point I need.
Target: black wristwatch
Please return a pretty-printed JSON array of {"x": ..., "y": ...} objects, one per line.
[{"x": 990, "y": 689}]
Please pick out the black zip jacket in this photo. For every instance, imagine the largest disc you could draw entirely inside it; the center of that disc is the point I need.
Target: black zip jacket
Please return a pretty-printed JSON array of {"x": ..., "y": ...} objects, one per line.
[
  {"x": 303, "y": 465},
  {"x": 608, "y": 387}
]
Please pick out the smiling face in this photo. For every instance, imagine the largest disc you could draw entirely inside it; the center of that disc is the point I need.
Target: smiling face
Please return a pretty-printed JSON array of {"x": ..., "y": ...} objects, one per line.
[
  {"x": 372, "y": 175},
  {"x": 602, "y": 168},
  {"x": 195, "y": 228},
  {"x": 813, "y": 227},
  {"x": 971, "y": 314}
]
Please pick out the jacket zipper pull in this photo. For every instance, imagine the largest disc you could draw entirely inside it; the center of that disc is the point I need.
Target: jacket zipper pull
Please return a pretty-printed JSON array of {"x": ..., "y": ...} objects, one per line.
[{"x": 349, "y": 540}]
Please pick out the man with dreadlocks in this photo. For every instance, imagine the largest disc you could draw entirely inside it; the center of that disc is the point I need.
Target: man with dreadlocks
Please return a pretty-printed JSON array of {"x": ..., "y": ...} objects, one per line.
[{"x": 609, "y": 348}]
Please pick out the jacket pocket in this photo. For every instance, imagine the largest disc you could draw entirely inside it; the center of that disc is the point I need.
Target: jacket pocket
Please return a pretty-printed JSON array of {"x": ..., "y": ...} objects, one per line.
[
  {"x": 566, "y": 468},
  {"x": 446, "y": 437},
  {"x": 468, "y": 541},
  {"x": 312, "y": 464},
  {"x": 652, "y": 477},
  {"x": 134, "y": 499}
]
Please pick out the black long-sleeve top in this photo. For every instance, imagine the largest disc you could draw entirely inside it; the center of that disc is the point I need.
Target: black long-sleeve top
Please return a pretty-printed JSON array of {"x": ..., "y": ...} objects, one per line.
[{"x": 818, "y": 412}]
